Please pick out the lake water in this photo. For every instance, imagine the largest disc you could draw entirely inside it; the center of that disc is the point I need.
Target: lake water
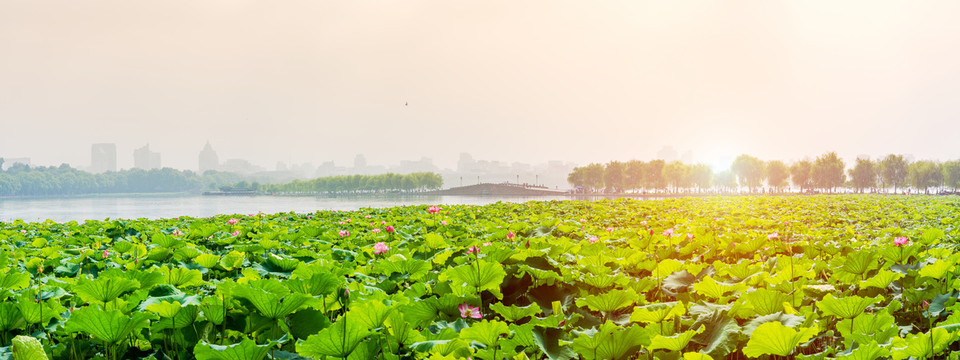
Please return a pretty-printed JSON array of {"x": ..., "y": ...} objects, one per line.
[{"x": 168, "y": 206}]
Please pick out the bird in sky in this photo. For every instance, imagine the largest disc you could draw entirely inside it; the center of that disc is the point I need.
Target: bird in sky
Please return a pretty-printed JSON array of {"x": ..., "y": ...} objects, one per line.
[{"x": 406, "y": 103}]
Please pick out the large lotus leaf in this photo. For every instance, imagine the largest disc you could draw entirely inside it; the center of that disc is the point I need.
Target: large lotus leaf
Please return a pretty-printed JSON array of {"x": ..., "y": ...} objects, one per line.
[
  {"x": 104, "y": 289},
  {"x": 931, "y": 235},
  {"x": 14, "y": 280},
  {"x": 712, "y": 289},
  {"x": 666, "y": 267},
  {"x": 270, "y": 304},
  {"x": 245, "y": 350},
  {"x": 920, "y": 346},
  {"x": 937, "y": 270},
  {"x": 307, "y": 322},
  {"x": 881, "y": 279},
  {"x": 169, "y": 242},
  {"x": 213, "y": 309},
  {"x": 513, "y": 313},
  {"x": 722, "y": 335},
  {"x": 846, "y": 307},
  {"x": 657, "y": 313},
  {"x": 609, "y": 341},
  {"x": 421, "y": 312},
  {"x": 787, "y": 320},
  {"x": 866, "y": 351},
  {"x": 879, "y": 327},
  {"x": 696, "y": 356},
  {"x": 233, "y": 259},
  {"x": 371, "y": 314},
  {"x": 315, "y": 285},
  {"x": 37, "y": 311},
  {"x": 452, "y": 349},
  {"x": 10, "y": 316},
  {"x": 208, "y": 261},
  {"x": 108, "y": 327},
  {"x": 168, "y": 293},
  {"x": 773, "y": 338},
  {"x": 27, "y": 348},
  {"x": 485, "y": 332},
  {"x": 174, "y": 315},
  {"x": 400, "y": 331},
  {"x": 338, "y": 340},
  {"x": 766, "y": 301},
  {"x": 399, "y": 264},
  {"x": 182, "y": 277},
  {"x": 678, "y": 282},
  {"x": 277, "y": 265},
  {"x": 860, "y": 262},
  {"x": 467, "y": 279},
  {"x": 548, "y": 341},
  {"x": 609, "y": 300},
  {"x": 676, "y": 342}
]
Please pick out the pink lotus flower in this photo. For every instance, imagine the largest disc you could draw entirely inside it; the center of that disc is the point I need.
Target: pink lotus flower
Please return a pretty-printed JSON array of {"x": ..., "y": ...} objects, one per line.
[
  {"x": 593, "y": 239},
  {"x": 348, "y": 221},
  {"x": 690, "y": 236},
  {"x": 775, "y": 235},
  {"x": 375, "y": 230},
  {"x": 609, "y": 229},
  {"x": 925, "y": 305},
  {"x": 900, "y": 241},
  {"x": 232, "y": 221},
  {"x": 177, "y": 232},
  {"x": 487, "y": 243},
  {"x": 341, "y": 223},
  {"x": 380, "y": 248},
  {"x": 105, "y": 254},
  {"x": 668, "y": 232},
  {"x": 443, "y": 222},
  {"x": 644, "y": 223},
  {"x": 434, "y": 209},
  {"x": 367, "y": 217},
  {"x": 510, "y": 235},
  {"x": 235, "y": 233},
  {"x": 472, "y": 249},
  {"x": 389, "y": 229},
  {"x": 384, "y": 222},
  {"x": 467, "y": 311},
  {"x": 343, "y": 233},
  {"x": 583, "y": 220}
]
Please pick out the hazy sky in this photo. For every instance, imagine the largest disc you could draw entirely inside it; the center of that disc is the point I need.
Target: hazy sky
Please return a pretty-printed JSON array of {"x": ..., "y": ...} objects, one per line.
[{"x": 531, "y": 81}]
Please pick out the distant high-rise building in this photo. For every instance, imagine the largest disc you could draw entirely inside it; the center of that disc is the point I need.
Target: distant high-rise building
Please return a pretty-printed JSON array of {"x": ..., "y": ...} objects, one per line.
[
  {"x": 667, "y": 153},
  {"x": 359, "y": 162},
  {"x": 208, "y": 159},
  {"x": 103, "y": 158},
  {"x": 145, "y": 159}
]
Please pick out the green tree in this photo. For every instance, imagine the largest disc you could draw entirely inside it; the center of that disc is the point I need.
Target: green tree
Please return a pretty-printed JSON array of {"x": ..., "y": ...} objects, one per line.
[
  {"x": 653, "y": 175},
  {"x": 749, "y": 171},
  {"x": 726, "y": 181},
  {"x": 777, "y": 174},
  {"x": 894, "y": 171},
  {"x": 924, "y": 175},
  {"x": 633, "y": 174},
  {"x": 593, "y": 176},
  {"x": 863, "y": 175},
  {"x": 675, "y": 174},
  {"x": 613, "y": 176},
  {"x": 701, "y": 175},
  {"x": 801, "y": 174},
  {"x": 951, "y": 174},
  {"x": 828, "y": 171},
  {"x": 577, "y": 177}
]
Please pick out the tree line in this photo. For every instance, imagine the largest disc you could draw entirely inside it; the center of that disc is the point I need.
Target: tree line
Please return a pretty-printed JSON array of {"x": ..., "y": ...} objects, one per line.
[
  {"x": 360, "y": 183},
  {"x": 23, "y": 180},
  {"x": 827, "y": 173}
]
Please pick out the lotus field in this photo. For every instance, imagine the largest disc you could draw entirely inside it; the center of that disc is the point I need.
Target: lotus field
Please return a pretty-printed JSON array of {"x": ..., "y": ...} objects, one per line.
[{"x": 831, "y": 277}]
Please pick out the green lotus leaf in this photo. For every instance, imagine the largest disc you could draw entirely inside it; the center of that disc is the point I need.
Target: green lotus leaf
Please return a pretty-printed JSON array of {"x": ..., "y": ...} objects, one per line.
[
  {"x": 485, "y": 332},
  {"x": 338, "y": 340},
  {"x": 610, "y": 300},
  {"x": 881, "y": 279},
  {"x": 14, "y": 280},
  {"x": 397, "y": 263},
  {"x": 213, "y": 309},
  {"x": 109, "y": 327},
  {"x": 35, "y": 311},
  {"x": 766, "y": 301},
  {"x": 773, "y": 338},
  {"x": 676, "y": 342},
  {"x": 10, "y": 316},
  {"x": 182, "y": 277},
  {"x": 866, "y": 351},
  {"x": 244, "y": 350},
  {"x": 921, "y": 346},
  {"x": 272, "y": 299},
  {"x": 666, "y": 267},
  {"x": 846, "y": 307},
  {"x": 712, "y": 289},
  {"x": 28, "y": 348},
  {"x": 721, "y": 335},
  {"x": 232, "y": 260},
  {"x": 307, "y": 322},
  {"x": 657, "y": 313},
  {"x": 548, "y": 341},
  {"x": 169, "y": 242},
  {"x": 174, "y": 315},
  {"x": 787, "y": 320},
  {"x": 609, "y": 341},
  {"x": 371, "y": 314},
  {"x": 467, "y": 279},
  {"x": 696, "y": 356},
  {"x": 513, "y": 313},
  {"x": 879, "y": 327},
  {"x": 315, "y": 285},
  {"x": 937, "y": 270},
  {"x": 860, "y": 262},
  {"x": 208, "y": 261},
  {"x": 103, "y": 289}
]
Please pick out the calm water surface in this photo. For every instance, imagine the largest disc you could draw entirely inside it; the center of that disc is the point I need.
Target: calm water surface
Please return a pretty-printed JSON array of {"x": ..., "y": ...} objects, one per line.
[{"x": 168, "y": 206}]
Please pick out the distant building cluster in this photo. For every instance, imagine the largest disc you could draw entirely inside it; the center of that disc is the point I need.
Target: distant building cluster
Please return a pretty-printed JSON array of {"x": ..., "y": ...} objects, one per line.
[
  {"x": 103, "y": 158},
  {"x": 145, "y": 159}
]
